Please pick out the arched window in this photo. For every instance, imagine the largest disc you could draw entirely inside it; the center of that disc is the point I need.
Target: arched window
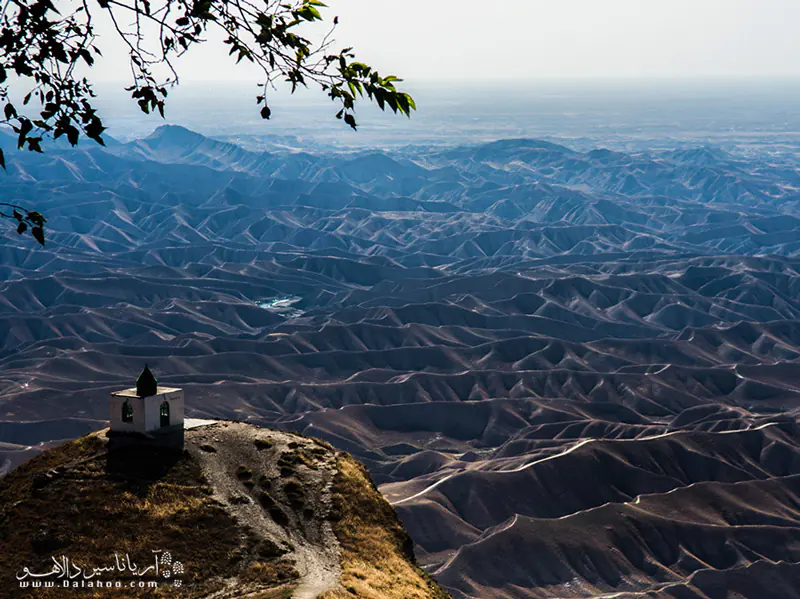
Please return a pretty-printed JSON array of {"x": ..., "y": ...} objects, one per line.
[
  {"x": 127, "y": 412},
  {"x": 165, "y": 414}
]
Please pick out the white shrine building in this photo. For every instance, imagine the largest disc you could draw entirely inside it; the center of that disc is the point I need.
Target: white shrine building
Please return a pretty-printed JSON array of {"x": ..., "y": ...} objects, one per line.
[{"x": 146, "y": 408}]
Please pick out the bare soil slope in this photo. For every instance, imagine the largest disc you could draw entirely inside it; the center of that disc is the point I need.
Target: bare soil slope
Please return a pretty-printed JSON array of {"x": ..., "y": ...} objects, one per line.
[{"x": 248, "y": 512}]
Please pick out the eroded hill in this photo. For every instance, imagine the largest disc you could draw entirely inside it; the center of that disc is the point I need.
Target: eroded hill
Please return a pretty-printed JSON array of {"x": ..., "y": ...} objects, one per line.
[{"x": 247, "y": 513}]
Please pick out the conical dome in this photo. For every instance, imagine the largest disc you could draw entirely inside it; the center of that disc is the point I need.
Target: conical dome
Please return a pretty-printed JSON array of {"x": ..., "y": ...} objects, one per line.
[{"x": 146, "y": 384}]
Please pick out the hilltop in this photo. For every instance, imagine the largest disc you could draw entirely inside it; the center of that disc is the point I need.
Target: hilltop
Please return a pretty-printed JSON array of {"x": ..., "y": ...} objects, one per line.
[{"x": 240, "y": 512}]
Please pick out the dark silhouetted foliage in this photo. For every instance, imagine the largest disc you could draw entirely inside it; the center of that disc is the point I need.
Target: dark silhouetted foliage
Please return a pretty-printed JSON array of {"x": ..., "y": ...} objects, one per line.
[{"x": 44, "y": 45}]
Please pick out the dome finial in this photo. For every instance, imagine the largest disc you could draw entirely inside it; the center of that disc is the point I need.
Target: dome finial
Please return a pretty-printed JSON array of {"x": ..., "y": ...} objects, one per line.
[{"x": 146, "y": 384}]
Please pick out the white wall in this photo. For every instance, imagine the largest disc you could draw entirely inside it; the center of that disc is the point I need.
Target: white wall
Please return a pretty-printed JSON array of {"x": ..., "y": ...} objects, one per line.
[
  {"x": 117, "y": 424},
  {"x": 146, "y": 411}
]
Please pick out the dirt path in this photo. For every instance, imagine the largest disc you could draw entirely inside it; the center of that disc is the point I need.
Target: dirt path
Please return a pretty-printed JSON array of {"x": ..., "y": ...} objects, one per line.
[
  {"x": 318, "y": 573},
  {"x": 226, "y": 450}
]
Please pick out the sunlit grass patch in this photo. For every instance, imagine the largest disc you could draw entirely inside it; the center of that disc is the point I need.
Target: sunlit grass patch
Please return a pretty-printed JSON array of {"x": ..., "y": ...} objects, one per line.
[{"x": 377, "y": 560}]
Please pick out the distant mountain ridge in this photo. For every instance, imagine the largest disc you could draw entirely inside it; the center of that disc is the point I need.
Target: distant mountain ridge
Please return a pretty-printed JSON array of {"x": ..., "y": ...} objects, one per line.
[{"x": 527, "y": 345}]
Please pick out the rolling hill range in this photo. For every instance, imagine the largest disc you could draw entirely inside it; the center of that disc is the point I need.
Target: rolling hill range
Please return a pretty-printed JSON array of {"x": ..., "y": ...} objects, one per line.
[{"x": 574, "y": 374}]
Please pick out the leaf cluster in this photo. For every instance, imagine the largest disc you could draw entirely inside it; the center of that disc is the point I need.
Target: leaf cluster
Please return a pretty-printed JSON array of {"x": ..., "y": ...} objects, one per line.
[
  {"x": 27, "y": 220},
  {"x": 44, "y": 46}
]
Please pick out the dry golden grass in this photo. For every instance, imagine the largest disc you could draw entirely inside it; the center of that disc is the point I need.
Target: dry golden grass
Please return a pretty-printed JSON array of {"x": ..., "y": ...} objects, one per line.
[
  {"x": 377, "y": 561},
  {"x": 273, "y": 572},
  {"x": 84, "y": 503},
  {"x": 163, "y": 502},
  {"x": 88, "y": 504}
]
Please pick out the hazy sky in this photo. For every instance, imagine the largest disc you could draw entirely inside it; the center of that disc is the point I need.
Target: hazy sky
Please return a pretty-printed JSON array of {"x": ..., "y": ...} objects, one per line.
[{"x": 530, "y": 39}]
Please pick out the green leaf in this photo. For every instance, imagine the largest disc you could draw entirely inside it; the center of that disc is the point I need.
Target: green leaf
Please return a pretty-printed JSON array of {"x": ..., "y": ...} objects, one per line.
[
  {"x": 72, "y": 135},
  {"x": 34, "y": 144},
  {"x": 36, "y": 218},
  {"x": 25, "y": 127},
  {"x": 95, "y": 129},
  {"x": 309, "y": 13},
  {"x": 38, "y": 234},
  {"x": 21, "y": 228}
]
